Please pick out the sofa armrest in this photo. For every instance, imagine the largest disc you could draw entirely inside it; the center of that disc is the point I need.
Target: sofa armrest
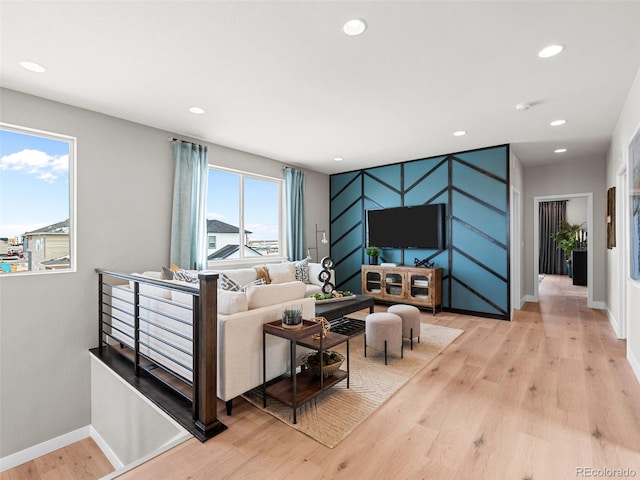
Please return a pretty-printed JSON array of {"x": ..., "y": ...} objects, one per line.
[
  {"x": 314, "y": 271},
  {"x": 240, "y": 347}
]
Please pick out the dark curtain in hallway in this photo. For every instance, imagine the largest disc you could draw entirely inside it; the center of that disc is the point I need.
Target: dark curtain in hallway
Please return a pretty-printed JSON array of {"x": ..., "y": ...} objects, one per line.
[{"x": 552, "y": 259}]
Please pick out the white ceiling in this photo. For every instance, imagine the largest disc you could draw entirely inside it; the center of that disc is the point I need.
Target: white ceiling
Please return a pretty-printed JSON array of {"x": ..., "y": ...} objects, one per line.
[{"x": 280, "y": 79}]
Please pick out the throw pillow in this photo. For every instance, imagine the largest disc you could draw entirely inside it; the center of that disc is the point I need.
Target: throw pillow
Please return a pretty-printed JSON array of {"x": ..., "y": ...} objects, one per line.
[
  {"x": 263, "y": 272},
  {"x": 185, "y": 276},
  {"x": 228, "y": 284},
  {"x": 257, "y": 281},
  {"x": 168, "y": 273},
  {"x": 302, "y": 270}
]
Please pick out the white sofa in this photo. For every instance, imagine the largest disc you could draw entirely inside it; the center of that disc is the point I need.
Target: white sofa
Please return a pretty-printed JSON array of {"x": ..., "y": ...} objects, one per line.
[{"x": 239, "y": 324}]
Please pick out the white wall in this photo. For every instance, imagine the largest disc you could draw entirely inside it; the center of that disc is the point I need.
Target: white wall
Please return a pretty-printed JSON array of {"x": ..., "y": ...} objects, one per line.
[
  {"x": 129, "y": 424},
  {"x": 582, "y": 176},
  {"x": 626, "y": 128},
  {"x": 577, "y": 212},
  {"x": 48, "y": 323},
  {"x": 516, "y": 220}
]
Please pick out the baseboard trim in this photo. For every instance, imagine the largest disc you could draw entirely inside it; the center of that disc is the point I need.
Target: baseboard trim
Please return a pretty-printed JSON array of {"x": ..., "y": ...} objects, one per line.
[
  {"x": 597, "y": 305},
  {"x": 174, "y": 442},
  {"x": 31, "y": 453},
  {"x": 106, "y": 449},
  {"x": 531, "y": 298},
  {"x": 613, "y": 322},
  {"x": 635, "y": 363}
]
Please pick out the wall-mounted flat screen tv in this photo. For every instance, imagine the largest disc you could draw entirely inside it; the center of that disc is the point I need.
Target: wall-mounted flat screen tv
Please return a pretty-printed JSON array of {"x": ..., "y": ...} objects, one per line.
[{"x": 420, "y": 226}]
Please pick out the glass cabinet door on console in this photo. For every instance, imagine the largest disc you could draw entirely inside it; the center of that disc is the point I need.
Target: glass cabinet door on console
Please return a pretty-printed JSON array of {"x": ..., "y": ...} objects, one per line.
[
  {"x": 402, "y": 284},
  {"x": 372, "y": 283},
  {"x": 419, "y": 288},
  {"x": 393, "y": 285}
]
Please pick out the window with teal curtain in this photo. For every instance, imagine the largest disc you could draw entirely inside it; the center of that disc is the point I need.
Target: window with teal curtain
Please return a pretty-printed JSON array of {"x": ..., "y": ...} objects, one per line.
[
  {"x": 294, "y": 199},
  {"x": 188, "y": 220}
]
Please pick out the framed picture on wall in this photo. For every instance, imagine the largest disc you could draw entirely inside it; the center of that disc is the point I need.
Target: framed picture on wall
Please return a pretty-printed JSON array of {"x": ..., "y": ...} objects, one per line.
[{"x": 634, "y": 206}]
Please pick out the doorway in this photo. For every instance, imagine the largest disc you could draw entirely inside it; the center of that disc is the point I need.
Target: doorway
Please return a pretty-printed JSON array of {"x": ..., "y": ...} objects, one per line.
[{"x": 536, "y": 241}]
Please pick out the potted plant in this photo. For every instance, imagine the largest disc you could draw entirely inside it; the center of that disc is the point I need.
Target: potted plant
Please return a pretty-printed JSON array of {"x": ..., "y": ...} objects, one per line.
[
  {"x": 567, "y": 240},
  {"x": 292, "y": 318},
  {"x": 373, "y": 253}
]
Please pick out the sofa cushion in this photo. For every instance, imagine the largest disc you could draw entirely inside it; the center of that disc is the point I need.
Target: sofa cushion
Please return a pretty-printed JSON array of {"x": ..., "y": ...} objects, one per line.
[
  {"x": 242, "y": 276},
  {"x": 232, "y": 302},
  {"x": 152, "y": 289},
  {"x": 228, "y": 302},
  {"x": 274, "y": 293},
  {"x": 282, "y": 272},
  {"x": 312, "y": 289}
]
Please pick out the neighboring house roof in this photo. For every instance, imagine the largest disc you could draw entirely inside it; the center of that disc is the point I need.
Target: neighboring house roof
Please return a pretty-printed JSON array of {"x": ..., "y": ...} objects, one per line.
[
  {"x": 65, "y": 260},
  {"x": 60, "y": 227},
  {"x": 227, "y": 251},
  {"x": 216, "y": 226}
]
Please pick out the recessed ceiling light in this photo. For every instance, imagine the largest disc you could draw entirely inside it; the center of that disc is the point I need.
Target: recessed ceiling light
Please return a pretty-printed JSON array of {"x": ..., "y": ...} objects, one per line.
[
  {"x": 550, "y": 51},
  {"x": 33, "y": 67},
  {"x": 459, "y": 133},
  {"x": 523, "y": 107},
  {"x": 556, "y": 123},
  {"x": 560, "y": 150},
  {"x": 196, "y": 110},
  {"x": 338, "y": 159},
  {"x": 355, "y": 26}
]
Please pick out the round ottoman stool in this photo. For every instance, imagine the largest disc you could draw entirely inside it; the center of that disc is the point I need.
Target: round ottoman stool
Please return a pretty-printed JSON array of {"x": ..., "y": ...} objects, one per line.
[
  {"x": 383, "y": 331},
  {"x": 410, "y": 320}
]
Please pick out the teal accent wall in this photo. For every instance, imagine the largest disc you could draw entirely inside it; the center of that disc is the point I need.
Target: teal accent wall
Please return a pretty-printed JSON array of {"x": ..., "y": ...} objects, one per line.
[{"x": 475, "y": 187}]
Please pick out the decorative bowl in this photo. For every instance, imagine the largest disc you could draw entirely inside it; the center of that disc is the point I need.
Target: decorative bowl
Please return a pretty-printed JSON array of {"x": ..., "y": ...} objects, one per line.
[{"x": 327, "y": 370}]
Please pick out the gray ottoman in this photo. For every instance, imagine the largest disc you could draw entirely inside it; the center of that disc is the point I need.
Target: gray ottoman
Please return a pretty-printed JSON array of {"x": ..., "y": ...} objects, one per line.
[
  {"x": 410, "y": 320},
  {"x": 383, "y": 331}
]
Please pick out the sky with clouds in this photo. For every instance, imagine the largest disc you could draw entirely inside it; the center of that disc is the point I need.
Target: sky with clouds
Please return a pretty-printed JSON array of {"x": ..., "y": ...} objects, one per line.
[
  {"x": 34, "y": 190},
  {"x": 34, "y": 182}
]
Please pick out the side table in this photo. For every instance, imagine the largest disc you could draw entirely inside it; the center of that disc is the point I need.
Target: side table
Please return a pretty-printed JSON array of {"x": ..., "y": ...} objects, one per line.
[{"x": 300, "y": 387}]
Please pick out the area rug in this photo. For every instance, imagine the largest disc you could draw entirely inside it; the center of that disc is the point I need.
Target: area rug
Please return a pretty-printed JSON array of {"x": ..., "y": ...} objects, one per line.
[{"x": 331, "y": 416}]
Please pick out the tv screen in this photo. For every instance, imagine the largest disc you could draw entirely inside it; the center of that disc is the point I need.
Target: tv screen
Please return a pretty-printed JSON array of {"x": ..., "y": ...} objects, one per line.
[{"x": 421, "y": 226}]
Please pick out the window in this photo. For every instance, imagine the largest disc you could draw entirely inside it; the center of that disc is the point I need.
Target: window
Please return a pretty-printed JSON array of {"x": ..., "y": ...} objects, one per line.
[
  {"x": 36, "y": 201},
  {"x": 243, "y": 215}
]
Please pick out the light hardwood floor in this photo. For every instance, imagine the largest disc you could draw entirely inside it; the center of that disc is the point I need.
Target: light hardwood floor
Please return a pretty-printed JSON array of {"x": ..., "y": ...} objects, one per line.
[
  {"x": 540, "y": 397},
  {"x": 82, "y": 460}
]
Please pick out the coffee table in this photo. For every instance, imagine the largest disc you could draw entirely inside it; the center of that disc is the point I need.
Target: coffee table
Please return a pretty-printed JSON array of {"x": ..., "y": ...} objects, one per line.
[
  {"x": 335, "y": 313},
  {"x": 339, "y": 309}
]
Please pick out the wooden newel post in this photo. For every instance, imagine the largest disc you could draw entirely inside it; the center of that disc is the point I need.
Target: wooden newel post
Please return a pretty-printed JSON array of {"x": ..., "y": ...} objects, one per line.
[{"x": 206, "y": 352}]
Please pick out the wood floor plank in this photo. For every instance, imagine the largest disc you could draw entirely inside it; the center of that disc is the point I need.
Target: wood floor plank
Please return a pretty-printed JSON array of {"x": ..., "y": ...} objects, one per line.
[{"x": 535, "y": 398}]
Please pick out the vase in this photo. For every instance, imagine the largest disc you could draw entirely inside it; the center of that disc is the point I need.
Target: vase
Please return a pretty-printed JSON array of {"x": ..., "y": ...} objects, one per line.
[{"x": 373, "y": 259}]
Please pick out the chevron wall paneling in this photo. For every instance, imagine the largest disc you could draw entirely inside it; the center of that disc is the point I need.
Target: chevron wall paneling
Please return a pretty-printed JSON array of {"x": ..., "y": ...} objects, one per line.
[
  {"x": 474, "y": 185},
  {"x": 347, "y": 228}
]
